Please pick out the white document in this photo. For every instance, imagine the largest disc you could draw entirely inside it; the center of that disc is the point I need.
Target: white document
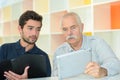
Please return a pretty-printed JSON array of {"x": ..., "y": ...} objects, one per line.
[{"x": 74, "y": 63}]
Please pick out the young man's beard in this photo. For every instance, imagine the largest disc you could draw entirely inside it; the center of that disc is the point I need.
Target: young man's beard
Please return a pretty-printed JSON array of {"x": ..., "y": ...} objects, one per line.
[{"x": 27, "y": 41}]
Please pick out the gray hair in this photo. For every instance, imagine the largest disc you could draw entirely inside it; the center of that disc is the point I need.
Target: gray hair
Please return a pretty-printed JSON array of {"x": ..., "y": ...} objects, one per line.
[{"x": 71, "y": 14}]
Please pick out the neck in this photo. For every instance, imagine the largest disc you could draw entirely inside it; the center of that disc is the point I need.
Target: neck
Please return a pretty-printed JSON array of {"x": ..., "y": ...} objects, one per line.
[{"x": 26, "y": 45}]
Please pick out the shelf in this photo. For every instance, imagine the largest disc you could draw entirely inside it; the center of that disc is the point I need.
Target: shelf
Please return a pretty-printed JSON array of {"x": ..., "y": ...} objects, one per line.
[
  {"x": 58, "y": 5},
  {"x": 102, "y": 17},
  {"x": 106, "y": 16},
  {"x": 86, "y": 17},
  {"x": 46, "y": 25},
  {"x": 41, "y": 7},
  {"x": 1, "y": 41},
  {"x": 115, "y": 15},
  {"x": 1, "y": 29},
  {"x": 1, "y": 17},
  {"x": 113, "y": 30},
  {"x": 43, "y": 43},
  {"x": 8, "y": 39},
  {"x": 99, "y": 2},
  {"x": 14, "y": 28},
  {"x": 55, "y": 21},
  {"x": 6, "y": 16},
  {"x": 27, "y": 5},
  {"x": 4, "y": 3},
  {"x": 7, "y": 29},
  {"x": 56, "y": 40},
  {"x": 16, "y": 11},
  {"x": 77, "y": 3}
]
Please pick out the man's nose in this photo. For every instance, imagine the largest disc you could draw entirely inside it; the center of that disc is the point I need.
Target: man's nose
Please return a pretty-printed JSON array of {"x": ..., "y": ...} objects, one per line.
[
  {"x": 34, "y": 32},
  {"x": 69, "y": 32}
]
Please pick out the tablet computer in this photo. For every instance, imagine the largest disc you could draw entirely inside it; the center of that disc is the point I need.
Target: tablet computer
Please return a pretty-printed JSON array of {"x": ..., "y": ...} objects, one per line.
[
  {"x": 36, "y": 62},
  {"x": 73, "y": 63}
]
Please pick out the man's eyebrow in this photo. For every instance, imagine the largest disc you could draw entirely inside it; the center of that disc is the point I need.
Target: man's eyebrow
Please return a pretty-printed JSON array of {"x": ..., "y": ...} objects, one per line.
[
  {"x": 34, "y": 26},
  {"x": 30, "y": 26},
  {"x": 74, "y": 25},
  {"x": 70, "y": 26}
]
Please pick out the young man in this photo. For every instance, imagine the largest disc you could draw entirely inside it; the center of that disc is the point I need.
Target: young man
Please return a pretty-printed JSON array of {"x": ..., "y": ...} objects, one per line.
[
  {"x": 104, "y": 62},
  {"x": 30, "y": 24}
]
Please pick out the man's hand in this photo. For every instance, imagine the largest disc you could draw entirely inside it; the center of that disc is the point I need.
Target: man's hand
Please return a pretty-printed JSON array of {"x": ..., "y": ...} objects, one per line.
[
  {"x": 13, "y": 76},
  {"x": 95, "y": 70}
]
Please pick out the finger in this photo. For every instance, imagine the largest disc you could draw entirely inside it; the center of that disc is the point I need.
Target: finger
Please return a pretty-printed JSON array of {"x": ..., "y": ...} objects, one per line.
[
  {"x": 89, "y": 69},
  {"x": 92, "y": 69},
  {"x": 26, "y": 69},
  {"x": 92, "y": 64},
  {"x": 9, "y": 76},
  {"x": 94, "y": 74},
  {"x": 25, "y": 74},
  {"x": 14, "y": 74},
  {"x": 89, "y": 64}
]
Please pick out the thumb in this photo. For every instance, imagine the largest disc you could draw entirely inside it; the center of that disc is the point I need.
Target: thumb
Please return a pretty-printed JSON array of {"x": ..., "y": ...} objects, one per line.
[{"x": 25, "y": 74}]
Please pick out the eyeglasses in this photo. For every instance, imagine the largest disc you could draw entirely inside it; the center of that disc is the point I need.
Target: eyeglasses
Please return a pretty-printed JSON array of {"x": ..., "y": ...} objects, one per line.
[{"x": 72, "y": 28}]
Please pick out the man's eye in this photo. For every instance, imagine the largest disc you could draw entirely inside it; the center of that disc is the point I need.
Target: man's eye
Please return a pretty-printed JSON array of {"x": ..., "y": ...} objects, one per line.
[
  {"x": 73, "y": 27},
  {"x": 64, "y": 29},
  {"x": 30, "y": 28},
  {"x": 38, "y": 29}
]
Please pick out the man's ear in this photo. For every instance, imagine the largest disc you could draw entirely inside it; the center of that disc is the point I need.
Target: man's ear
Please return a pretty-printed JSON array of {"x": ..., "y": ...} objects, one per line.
[
  {"x": 19, "y": 28},
  {"x": 82, "y": 27}
]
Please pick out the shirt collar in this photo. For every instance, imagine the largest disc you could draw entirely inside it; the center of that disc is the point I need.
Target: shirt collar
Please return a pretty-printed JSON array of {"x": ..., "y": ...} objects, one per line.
[
  {"x": 70, "y": 49},
  {"x": 18, "y": 46}
]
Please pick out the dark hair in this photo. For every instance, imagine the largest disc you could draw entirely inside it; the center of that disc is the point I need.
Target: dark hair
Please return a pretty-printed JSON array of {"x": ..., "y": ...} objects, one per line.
[{"x": 29, "y": 15}]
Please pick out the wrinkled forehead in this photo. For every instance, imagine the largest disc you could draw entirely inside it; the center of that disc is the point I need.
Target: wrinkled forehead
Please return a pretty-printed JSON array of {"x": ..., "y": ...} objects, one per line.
[{"x": 69, "y": 21}]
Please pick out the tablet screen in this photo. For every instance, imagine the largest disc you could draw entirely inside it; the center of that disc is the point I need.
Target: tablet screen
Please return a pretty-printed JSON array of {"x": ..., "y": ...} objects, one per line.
[
  {"x": 37, "y": 65},
  {"x": 74, "y": 63}
]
